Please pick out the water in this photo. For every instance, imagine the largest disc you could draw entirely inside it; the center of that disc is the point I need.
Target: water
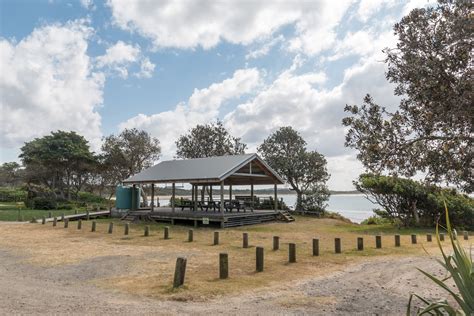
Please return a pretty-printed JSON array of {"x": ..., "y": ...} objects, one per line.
[{"x": 353, "y": 206}]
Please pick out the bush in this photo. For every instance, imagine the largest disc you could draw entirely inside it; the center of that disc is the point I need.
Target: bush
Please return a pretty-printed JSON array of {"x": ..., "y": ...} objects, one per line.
[
  {"x": 42, "y": 203},
  {"x": 86, "y": 197},
  {"x": 12, "y": 194}
]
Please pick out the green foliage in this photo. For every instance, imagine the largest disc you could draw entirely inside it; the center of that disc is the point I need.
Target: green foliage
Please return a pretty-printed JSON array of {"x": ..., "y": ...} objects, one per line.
[
  {"x": 10, "y": 174},
  {"x": 376, "y": 220},
  {"x": 43, "y": 203},
  {"x": 88, "y": 197},
  {"x": 432, "y": 69},
  {"x": 460, "y": 268},
  {"x": 207, "y": 141},
  {"x": 12, "y": 194},
  {"x": 285, "y": 151},
  {"x": 415, "y": 203}
]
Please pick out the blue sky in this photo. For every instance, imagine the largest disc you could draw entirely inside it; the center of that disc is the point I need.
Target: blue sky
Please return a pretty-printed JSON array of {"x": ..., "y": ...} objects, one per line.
[{"x": 98, "y": 67}]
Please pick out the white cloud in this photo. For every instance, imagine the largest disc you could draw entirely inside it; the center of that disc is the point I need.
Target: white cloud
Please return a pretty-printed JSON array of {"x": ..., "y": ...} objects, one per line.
[
  {"x": 204, "y": 23},
  {"x": 120, "y": 56},
  {"x": 47, "y": 83},
  {"x": 202, "y": 107},
  {"x": 367, "y": 8},
  {"x": 265, "y": 48},
  {"x": 88, "y": 4},
  {"x": 146, "y": 69}
]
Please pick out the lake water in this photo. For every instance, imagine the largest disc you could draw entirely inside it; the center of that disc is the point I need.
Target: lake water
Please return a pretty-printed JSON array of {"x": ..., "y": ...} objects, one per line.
[{"x": 353, "y": 206}]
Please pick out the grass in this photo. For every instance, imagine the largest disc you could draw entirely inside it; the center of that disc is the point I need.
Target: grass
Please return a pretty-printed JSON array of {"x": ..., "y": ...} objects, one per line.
[
  {"x": 148, "y": 262},
  {"x": 9, "y": 211}
]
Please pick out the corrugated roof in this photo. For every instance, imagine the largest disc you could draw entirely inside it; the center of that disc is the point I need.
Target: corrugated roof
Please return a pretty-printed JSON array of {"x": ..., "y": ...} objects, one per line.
[{"x": 203, "y": 169}]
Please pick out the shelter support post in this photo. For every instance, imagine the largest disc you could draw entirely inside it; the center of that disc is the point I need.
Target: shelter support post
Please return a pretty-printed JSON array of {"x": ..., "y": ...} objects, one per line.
[
  {"x": 134, "y": 197},
  {"x": 251, "y": 196},
  {"x": 222, "y": 198},
  {"x": 276, "y": 198},
  {"x": 210, "y": 193},
  {"x": 173, "y": 197},
  {"x": 230, "y": 192},
  {"x": 195, "y": 197},
  {"x": 202, "y": 193},
  {"x": 152, "y": 204}
]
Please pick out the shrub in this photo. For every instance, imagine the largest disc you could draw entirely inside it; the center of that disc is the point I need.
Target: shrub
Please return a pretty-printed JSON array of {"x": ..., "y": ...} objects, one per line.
[
  {"x": 86, "y": 197},
  {"x": 12, "y": 194},
  {"x": 42, "y": 203}
]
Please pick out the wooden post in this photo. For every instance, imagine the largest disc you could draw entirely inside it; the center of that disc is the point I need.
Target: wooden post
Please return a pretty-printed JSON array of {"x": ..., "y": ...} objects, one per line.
[
  {"x": 93, "y": 226},
  {"x": 146, "y": 231},
  {"x": 202, "y": 193},
  {"x": 195, "y": 197},
  {"x": 455, "y": 235},
  {"x": 152, "y": 204},
  {"x": 222, "y": 198},
  {"x": 167, "y": 233},
  {"x": 259, "y": 259},
  {"x": 466, "y": 235},
  {"x": 360, "y": 243},
  {"x": 223, "y": 266},
  {"x": 190, "y": 235},
  {"x": 216, "y": 238},
  {"x": 337, "y": 245},
  {"x": 75, "y": 212},
  {"x": 210, "y": 193},
  {"x": 251, "y": 196},
  {"x": 126, "y": 229},
  {"x": 88, "y": 216},
  {"x": 111, "y": 228},
  {"x": 230, "y": 193},
  {"x": 378, "y": 241},
  {"x": 66, "y": 223},
  {"x": 43, "y": 220},
  {"x": 413, "y": 239},
  {"x": 428, "y": 238},
  {"x": 50, "y": 215},
  {"x": 291, "y": 252},
  {"x": 441, "y": 236},
  {"x": 55, "y": 221},
  {"x": 62, "y": 217},
  {"x": 276, "y": 243},
  {"x": 179, "y": 272},
  {"x": 397, "y": 240},
  {"x": 245, "y": 240},
  {"x": 79, "y": 224},
  {"x": 315, "y": 247},
  {"x": 173, "y": 196},
  {"x": 134, "y": 197},
  {"x": 276, "y": 197}
]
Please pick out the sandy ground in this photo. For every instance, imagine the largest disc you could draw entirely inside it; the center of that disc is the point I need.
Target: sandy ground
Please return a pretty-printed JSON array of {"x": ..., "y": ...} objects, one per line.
[{"x": 374, "y": 287}]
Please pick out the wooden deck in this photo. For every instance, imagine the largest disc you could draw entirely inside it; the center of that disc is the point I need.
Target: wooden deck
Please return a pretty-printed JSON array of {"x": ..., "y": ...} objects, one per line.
[
  {"x": 74, "y": 217},
  {"x": 202, "y": 218}
]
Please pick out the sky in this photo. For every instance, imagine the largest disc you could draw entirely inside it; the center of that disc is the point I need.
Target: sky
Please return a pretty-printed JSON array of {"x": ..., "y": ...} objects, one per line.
[{"x": 98, "y": 67}]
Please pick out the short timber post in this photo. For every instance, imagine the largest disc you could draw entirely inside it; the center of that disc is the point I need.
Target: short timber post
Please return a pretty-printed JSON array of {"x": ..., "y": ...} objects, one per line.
[
  {"x": 291, "y": 252},
  {"x": 79, "y": 224},
  {"x": 55, "y": 221},
  {"x": 111, "y": 228},
  {"x": 62, "y": 217},
  {"x": 360, "y": 243},
  {"x": 190, "y": 235},
  {"x": 441, "y": 236},
  {"x": 75, "y": 212},
  {"x": 413, "y": 239},
  {"x": 223, "y": 266},
  {"x": 94, "y": 224},
  {"x": 50, "y": 215},
  {"x": 276, "y": 243},
  {"x": 126, "y": 229},
  {"x": 428, "y": 237},
  {"x": 315, "y": 247},
  {"x": 378, "y": 241},
  {"x": 466, "y": 235},
  {"x": 43, "y": 220},
  {"x": 146, "y": 231},
  {"x": 179, "y": 272},
  {"x": 337, "y": 245},
  {"x": 259, "y": 259},
  {"x": 167, "y": 233},
  {"x": 88, "y": 216},
  {"x": 245, "y": 240},
  {"x": 66, "y": 223},
  {"x": 397, "y": 240},
  {"x": 216, "y": 238}
]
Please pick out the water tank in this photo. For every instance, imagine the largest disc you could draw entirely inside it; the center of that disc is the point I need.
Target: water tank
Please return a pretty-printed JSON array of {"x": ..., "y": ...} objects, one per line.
[{"x": 126, "y": 196}]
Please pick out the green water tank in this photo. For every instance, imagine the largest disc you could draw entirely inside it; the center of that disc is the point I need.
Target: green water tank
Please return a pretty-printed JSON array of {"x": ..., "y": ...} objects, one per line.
[{"x": 126, "y": 196}]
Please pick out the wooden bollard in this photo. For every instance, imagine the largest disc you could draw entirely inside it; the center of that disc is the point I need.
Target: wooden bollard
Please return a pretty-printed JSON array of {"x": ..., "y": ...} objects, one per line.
[
  {"x": 455, "y": 235},
  {"x": 93, "y": 226},
  {"x": 75, "y": 212},
  {"x": 223, "y": 266},
  {"x": 190, "y": 235},
  {"x": 216, "y": 238},
  {"x": 55, "y": 221},
  {"x": 43, "y": 220},
  {"x": 291, "y": 252},
  {"x": 259, "y": 258},
  {"x": 79, "y": 224},
  {"x": 413, "y": 239},
  {"x": 276, "y": 243},
  {"x": 66, "y": 223},
  {"x": 50, "y": 215},
  {"x": 360, "y": 243},
  {"x": 88, "y": 216},
  {"x": 146, "y": 231},
  {"x": 62, "y": 217},
  {"x": 337, "y": 245},
  {"x": 179, "y": 272},
  {"x": 378, "y": 241},
  {"x": 466, "y": 235},
  {"x": 245, "y": 240},
  {"x": 111, "y": 228},
  {"x": 397, "y": 240},
  {"x": 315, "y": 247},
  {"x": 441, "y": 236},
  {"x": 167, "y": 233},
  {"x": 126, "y": 229},
  {"x": 428, "y": 238}
]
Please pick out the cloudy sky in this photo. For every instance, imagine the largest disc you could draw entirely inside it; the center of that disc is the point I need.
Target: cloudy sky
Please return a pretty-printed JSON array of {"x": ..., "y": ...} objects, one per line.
[{"x": 97, "y": 67}]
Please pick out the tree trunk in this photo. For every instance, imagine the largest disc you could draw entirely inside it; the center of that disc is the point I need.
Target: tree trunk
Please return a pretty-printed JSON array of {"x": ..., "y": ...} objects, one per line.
[
  {"x": 299, "y": 200},
  {"x": 415, "y": 213},
  {"x": 143, "y": 195}
]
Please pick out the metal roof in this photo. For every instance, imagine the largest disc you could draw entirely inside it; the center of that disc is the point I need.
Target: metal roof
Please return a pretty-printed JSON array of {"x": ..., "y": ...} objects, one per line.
[{"x": 208, "y": 170}]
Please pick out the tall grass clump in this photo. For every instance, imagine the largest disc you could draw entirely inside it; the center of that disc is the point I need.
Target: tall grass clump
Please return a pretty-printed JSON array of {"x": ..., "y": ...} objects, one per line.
[{"x": 460, "y": 269}]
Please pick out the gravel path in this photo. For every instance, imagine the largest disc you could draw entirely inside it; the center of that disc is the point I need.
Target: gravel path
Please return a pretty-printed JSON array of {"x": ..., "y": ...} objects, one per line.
[{"x": 378, "y": 287}]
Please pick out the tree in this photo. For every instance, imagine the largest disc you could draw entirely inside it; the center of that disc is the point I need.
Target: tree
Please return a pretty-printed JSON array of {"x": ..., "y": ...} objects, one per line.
[
  {"x": 10, "y": 173},
  {"x": 127, "y": 154},
  {"x": 60, "y": 161},
  {"x": 208, "y": 140},
  {"x": 285, "y": 151},
  {"x": 432, "y": 131}
]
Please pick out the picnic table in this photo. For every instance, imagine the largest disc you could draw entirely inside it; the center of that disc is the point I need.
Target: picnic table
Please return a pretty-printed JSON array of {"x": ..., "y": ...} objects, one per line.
[{"x": 214, "y": 205}]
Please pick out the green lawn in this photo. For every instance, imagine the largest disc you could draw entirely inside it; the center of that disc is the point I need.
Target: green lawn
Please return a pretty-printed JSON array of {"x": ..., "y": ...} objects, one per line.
[{"x": 10, "y": 212}]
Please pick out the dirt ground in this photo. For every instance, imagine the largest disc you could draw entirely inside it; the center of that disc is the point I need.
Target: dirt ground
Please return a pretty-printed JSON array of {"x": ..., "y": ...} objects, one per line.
[{"x": 47, "y": 270}]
